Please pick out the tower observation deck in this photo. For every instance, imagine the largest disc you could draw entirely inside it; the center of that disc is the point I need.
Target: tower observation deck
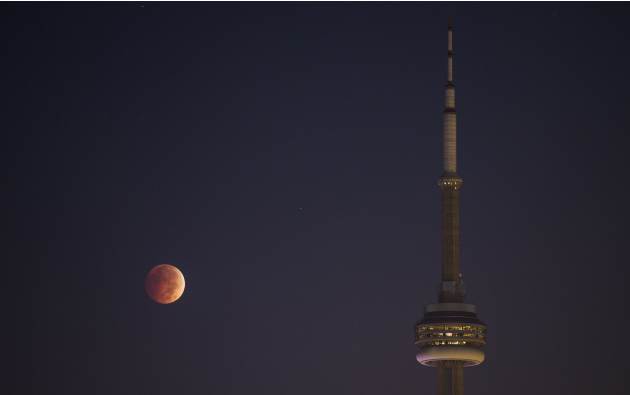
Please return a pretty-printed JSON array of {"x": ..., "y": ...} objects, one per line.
[{"x": 449, "y": 336}]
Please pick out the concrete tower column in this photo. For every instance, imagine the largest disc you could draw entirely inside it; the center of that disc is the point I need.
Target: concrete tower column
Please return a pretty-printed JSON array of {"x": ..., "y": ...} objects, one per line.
[
  {"x": 450, "y": 379},
  {"x": 458, "y": 380},
  {"x": 450, "y": 236},
  {"x": 444, "y": 378}
]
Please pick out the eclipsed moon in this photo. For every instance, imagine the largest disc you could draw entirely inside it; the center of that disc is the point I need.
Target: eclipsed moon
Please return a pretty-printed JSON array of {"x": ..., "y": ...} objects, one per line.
[{"x": 165, "y": 284}]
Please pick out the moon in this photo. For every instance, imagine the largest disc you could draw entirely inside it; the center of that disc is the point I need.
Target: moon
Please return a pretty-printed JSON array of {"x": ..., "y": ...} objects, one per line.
[{"x": 165, "y": 284}]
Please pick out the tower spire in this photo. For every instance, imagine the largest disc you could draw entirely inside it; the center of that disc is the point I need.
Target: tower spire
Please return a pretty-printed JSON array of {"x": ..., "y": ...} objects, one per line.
[
  {"x": 450, "y": 117},
  {"x": 450, "y": 50}
]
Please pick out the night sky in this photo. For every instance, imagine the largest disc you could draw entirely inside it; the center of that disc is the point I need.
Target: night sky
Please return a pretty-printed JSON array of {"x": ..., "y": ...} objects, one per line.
[{"x": 285, "y": 158}]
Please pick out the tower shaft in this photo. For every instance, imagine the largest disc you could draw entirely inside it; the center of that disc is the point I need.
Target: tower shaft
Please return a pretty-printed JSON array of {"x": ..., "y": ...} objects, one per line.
[
  {"x": 450, "y": 240},
  {"x": 450, "y": 379}
]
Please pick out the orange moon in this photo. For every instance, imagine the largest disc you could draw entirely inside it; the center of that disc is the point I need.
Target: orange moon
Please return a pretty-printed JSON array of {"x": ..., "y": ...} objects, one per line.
[{"x": 165, "y": 284}]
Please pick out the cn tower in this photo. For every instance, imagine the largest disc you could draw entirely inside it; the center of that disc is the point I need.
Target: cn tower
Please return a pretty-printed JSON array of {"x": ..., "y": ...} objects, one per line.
[{"x": 449, "y": 336}]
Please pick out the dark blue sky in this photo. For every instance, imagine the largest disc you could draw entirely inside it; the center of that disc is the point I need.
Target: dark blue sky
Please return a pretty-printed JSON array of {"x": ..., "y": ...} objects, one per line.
[{"x": 285, "y": 158}]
